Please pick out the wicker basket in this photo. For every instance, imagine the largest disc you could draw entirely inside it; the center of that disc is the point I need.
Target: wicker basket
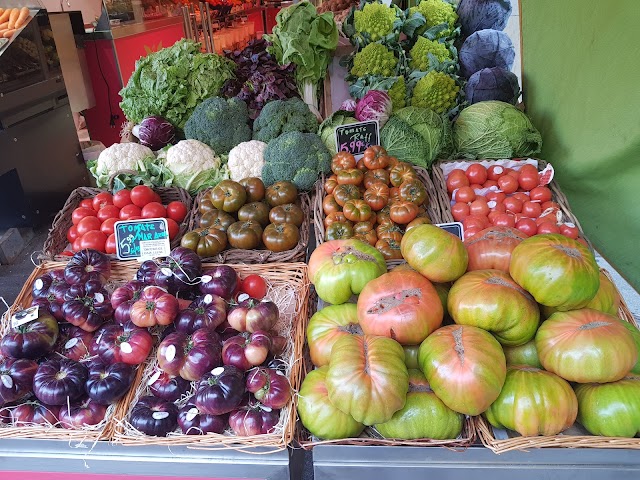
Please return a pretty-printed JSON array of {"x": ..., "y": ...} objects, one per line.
[
  {"x": 121, "y": 272},
  {"x": 370, "y": 436},
  {"x": 433, "y": 209},
  {"x": 444, "y": 201},
  {"x": 575, "y": 437},
  {"x": 238, "y": 255},
  {"x": 289, "y": 289},
  {"x": 57, "y": 242}
]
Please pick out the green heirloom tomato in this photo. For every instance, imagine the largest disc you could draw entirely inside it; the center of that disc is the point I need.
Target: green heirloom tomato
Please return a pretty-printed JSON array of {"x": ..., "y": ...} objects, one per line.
[
  {"x": 465, "y": 366},
  {"x": 228, "y": 196},
  {"x": 280, "y": 237},
  {"x": 533, "y": 402},
  {"x": 367, "y": 377},
  {"x": 341, "y": 268},
  {"x": 411, "y": 356},
  {"x": 327, "y": 326},
  {"x": 206, "y": 242},
  {"x": 318, "y": 414},
  {"x": 525, "y": 354},
  {"x": 635, "y": 333},
  {"x": 287, "y": 213},
  {"x": 435, "y": 253},
  {"x": 423, "y": 415},
  {"x": 610, "y": 409},
  {"x": 558, "y": 271},
  {"x": 339, "y": 231}
]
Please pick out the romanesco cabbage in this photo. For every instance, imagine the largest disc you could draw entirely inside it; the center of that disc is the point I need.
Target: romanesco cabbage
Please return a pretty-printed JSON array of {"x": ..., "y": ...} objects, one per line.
[
  {"x": 374, "y": 59},
  {"x": 421, "y": 50},
  {"x": 437, "y": 12},
  {"x": 398, "y": 94},
  {"x": 375, "y": 19},
  {"x": 436, "y": 90}
]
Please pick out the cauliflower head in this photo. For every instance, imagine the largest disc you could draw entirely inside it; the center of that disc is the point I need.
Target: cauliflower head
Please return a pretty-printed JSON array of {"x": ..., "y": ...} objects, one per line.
[
  {"x": 437, "y": 12},
  {"x": 421, "y": 50},
  {"x": 374, "y": 59},
  {"x": 195, "y": 165},
  {"x": 437, "y": 91},
  {"x": 246, "y": 160},
  {"x": 119, "y": 157},
  {"x": 375, "y": 19}
]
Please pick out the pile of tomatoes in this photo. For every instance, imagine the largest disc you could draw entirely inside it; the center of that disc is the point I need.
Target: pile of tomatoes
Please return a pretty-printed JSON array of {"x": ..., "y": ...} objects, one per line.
[
  {"x": 375, "y": 199},
  {"x": 94, "y": 219},
  {"x": 508, "y": 197}
]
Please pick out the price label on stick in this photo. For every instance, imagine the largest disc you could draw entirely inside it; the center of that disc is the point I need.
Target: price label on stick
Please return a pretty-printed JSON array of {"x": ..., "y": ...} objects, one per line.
[
  {"x": 454, "y": 228},
  {"x": 142, "y": 239},
  {"x": 355, "y": 138}
]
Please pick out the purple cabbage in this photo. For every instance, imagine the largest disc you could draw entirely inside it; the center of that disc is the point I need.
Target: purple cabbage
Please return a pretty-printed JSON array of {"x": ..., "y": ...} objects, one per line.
[
  {"x": 375, "y": 105},
  {"x": 348, "y": 105},
  {"x": 155, "y": 132},
  {"x": 259, "y": 78},
  {"x": 486, "y": 49},
  {"x": 477, "y": 15},
  {"x": 492, "y": 84}
]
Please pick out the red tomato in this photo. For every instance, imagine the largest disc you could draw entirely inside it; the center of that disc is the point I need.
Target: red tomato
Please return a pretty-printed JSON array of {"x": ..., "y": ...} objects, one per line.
[
  {"x": 504, "y": 220},
  {"x": 101, "y": 200},
  {"x": 494, "y": 172},
  {"x": 548, "y": 227},
  {"x": 135, "y": 217},
  {"x": 129, "y": 211},
  {"x": 513, "y": 205},
  {"x": 528, "y": 180},
  {"x": 177, "y": 211},
  {"x": 513, "y": 173},
  {"x": 542, "y": 194},
  {"x": 108, "y": 211},
  {"x": 456, "y": 179},
  {"x": 107, "y": 225},
  {"x": 122, "y": 198},
  {"x": 72, "y": 233},
  {"x": 523, "y": 197},
  {"x": 496, "y": 196},
  {"x": 156, "y": 198},
  {"x": 173, "y": 228},
  {"x": 476, "y": 186},
  {"x": 489, "y": 184},
  {"x": 76, "y": 246},
  {"x": 86, "y": 203},
  {"x": 475, "y": 221},
  {"x": 528, "y": 168},
  {"x": 583, "y": 241},
  {"x": 479, "y": 207},
  {"x": 569, "y": 230},
  {"x": 81, "y": 212},
  {"x": 531, "y": 209},
  {"x": 527, "y": 226},
  {"x": 154, "y": 210},
  {"x": 110, "y": 245},
  {"x": 141, "y": 195},
  {"x": 88, "y": 224},
  {"x": 460, "y": 211},
  {"x": 476, "y": 173},
  {"x": 464, "y": 195},
  {"x": 496, "y": 206},
  {"x": 470, "y": 232},
  {"x": 552, "y": 205},
  {"x": 94, "y": 239},
  {"x": 508, "y": 184},
  {"x": 255, "y": 286}
]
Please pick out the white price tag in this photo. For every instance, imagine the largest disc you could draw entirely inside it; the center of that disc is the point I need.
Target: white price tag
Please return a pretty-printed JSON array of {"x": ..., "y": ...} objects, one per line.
[
  {"x": 25, "y": 316},
  {"x": 126, "y": 347},
  {"x": 192, "y": 413},
  {"x": 170, "y": 353},
  {"x": 72, "y": 342},
  {"x": 154, "y": 377},
  {"x": 217, "y": 371},
  {"x": 160, "y": 415}
]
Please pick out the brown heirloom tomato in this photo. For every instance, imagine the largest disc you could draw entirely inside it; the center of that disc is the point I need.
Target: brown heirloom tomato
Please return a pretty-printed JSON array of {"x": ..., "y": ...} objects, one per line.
[
  {"x": 339, "y": 231},
  {"x": 244, "y": 235},
  {"x": 335, "y": 217},
  {"x": 287, "y": 213},
  {"x": 375, "y": 157},
  {"x": 228, "y": 196},
  {"x": 389, "y": 248},
  {"x": 376, "y": 176},
  {"x": 393, "y": 161},
  {"x": 254, "y": 187},
  {"x": 383, "y": 215},
  {"x": 413, "y": 191},
  {"x": 361, "y": 166},
  {"x": 401, "y": 173},
  {"x": 330, "y": 184},
  {"x": 364, "y": 231},
  {"x": 216, "y": 219},
  {"x": 280, "y": 193},
  {"x": 329, "y": 205},
  {"x": 206, "y": 205},
  {"x": 403, "y": 212},
  {"x": 206, "y": 242},
  {"x": 344, "y": 193},
  {"x": 279, "y": 237},
  {"x": 389, "y": 230},
  {"x": 342, "y": 161},
  {"x": 377, "y": 196},
  {"x": 256, "y": 211},
  {"x": 350, "y": 176},
  {"x": 394, "y": 194},
  {"x": 357, "y": 211}
]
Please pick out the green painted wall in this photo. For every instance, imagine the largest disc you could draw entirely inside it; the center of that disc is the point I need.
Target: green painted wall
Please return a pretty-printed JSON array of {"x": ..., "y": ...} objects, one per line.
[{"x": 581, "y": 62}]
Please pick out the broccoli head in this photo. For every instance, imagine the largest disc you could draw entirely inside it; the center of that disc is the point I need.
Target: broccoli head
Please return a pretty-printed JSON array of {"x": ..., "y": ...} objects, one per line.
[
  {"x": 220, "y": 123},
  {"x": 297, "y": 157},
  {"x": 282, "y": 116}
]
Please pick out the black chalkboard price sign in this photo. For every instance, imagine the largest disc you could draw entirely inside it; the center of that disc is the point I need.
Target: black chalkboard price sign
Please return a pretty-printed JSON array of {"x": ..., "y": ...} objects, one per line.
[
  {"x": 142, "y": 239},
  {"x": 454, "y": 228},
  {"x": 355, "y": 138}
]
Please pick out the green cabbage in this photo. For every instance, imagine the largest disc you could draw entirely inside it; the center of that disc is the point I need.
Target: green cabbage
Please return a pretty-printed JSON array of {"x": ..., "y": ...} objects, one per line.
[
  {"x": 495, "y": 129},
  {"x": 327, "y": 129}
]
